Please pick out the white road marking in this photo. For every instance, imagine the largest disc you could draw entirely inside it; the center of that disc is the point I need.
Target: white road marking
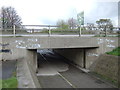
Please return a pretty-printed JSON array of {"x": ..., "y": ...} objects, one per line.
[{"x": 67, "y": 81}]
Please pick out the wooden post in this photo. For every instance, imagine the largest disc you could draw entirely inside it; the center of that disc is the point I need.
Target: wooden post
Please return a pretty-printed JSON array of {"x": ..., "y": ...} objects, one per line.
[
  {"x": 14, "y": 30},
  {"x": 80, "y": 31}
]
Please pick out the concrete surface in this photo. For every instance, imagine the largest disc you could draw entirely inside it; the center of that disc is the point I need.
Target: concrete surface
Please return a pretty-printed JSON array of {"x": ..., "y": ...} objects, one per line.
[
  {"x": 26, "y": 75},
  {"x": 53, "y": 82},
  {"x": 18, "y": 46},
  {"x": 71, "y": 78},
  {"x": 47, "y": 68},
  {"x": 106, "y": 65},
  {"x": 50, "y": 42},
  {"x": 89, "y": 54},
  {"x": 8, "y": 68}
]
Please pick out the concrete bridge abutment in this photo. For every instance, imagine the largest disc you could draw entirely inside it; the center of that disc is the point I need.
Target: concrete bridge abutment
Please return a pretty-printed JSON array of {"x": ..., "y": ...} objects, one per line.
[
  {"x": 31, "y": 57},
  {"x": 82, "y": 57}
]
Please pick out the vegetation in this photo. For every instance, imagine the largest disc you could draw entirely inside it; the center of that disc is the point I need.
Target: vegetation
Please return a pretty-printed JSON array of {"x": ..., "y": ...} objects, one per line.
[
  {"x": 69, "y": 24},
  {"x": 9, "y": 17},
  {"x": 115, "y": 52},
  {"x": 62, "y": 24},
  {"x": 9, "y": 83},
  {"x": 103, "y": 24}
]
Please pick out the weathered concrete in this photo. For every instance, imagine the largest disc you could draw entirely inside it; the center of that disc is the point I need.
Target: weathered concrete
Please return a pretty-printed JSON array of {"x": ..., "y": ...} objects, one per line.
[
  {"x": 16, "y": 44},
  {"x": 89, "y": 49},
  {"x": 64, "y": 75},
  {"x": 51, "y": 42},
  {"x": 31, "y": 57},
  {"x": 26, "y": 77},
  {"x": 88, "y": 55},
  {"x": 107, "y": 66},
  {"x": 74, "y": 55},
  {"x": 26, "y": 72},
  {"x": 8, "y": 68}
]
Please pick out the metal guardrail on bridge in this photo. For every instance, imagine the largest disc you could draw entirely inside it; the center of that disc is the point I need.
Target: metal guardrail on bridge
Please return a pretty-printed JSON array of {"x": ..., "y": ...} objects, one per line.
[{"x": 53, "y": 29}]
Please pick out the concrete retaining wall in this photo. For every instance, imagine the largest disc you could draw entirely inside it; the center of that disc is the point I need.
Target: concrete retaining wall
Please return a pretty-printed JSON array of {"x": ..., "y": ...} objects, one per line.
[
  {"x": 107, "y": 66},
  {"x": 31, "y": 59},
  {"x": 74, "y": 55},
  {"x": 80, "y": 57},
  {"x": 90, "y": 54},
  {"x": 26, "y": 70}
]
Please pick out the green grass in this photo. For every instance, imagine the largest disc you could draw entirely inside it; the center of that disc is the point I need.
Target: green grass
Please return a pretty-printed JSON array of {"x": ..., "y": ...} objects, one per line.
[
  {"x": 0, "y": 84},
  {"x": 115, "y": 52},
  {"x": 9, "y": 83}
]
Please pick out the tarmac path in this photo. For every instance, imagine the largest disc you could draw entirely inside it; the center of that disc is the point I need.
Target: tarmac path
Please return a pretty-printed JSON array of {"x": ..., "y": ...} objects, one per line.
[{"x": 55, "y": 73}]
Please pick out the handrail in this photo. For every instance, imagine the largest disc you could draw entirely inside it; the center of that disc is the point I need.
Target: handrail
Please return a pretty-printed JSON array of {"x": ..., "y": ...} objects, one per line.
[
  {"x": 34, "y": 28},
  {"x": 42, "y": 25}
]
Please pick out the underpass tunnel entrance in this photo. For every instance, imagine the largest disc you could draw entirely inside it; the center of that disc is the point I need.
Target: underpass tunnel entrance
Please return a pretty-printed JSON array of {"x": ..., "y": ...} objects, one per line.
[
  {"x": 57, "y": 60},
  {"x": 50, "y": 63},
  {"x": 82, "y": 57},
  {"x": 55, "y": 69}
]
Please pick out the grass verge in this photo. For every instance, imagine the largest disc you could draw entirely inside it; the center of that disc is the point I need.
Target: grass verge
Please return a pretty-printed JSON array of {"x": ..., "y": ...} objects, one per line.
[
  {"x": 115, "y": 52},
  {"x": 10, "y": 83}
]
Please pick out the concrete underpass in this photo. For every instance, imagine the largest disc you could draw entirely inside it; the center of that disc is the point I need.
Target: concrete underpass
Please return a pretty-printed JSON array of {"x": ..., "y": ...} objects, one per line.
[
  {"x": 56, "y": 71},
  {"x": 57, "y": 68}
]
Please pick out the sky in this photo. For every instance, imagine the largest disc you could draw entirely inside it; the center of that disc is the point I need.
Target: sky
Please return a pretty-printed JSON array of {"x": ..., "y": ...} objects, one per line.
[{"x": 48, "y": 12}]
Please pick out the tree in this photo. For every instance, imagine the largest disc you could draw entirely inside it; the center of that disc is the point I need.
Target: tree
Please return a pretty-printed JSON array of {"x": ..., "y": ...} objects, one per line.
[
  {"x": 10, "y": 17},
  {"x": 104, "y": 24},
  {"x": 72, "y": 23},
  {"x": 62, "y": 24}
]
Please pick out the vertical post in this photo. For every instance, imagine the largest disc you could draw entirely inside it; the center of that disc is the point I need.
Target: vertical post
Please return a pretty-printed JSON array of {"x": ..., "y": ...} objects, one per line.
[
  {"x": 49, "y": 32},
  {"x": 105, "y": 32},
  {"x": 14, "y": 30},
  {"x": 84, "y": 58},
  {"x": 80, "y": 31}
]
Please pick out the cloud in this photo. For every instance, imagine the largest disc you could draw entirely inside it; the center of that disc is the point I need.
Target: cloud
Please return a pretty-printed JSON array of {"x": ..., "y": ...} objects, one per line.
[
  {"x": 108, "y": 10},
  {"x": 49, "y": 11}
]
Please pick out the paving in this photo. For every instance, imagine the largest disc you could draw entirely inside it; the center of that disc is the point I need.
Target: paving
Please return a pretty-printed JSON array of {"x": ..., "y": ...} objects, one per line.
[
  {"x": 68, "y": 78},
  {"x": 53, "y": 82},
  {"x": 8, "y": 68},
  {"x": 83, "y": 80}
]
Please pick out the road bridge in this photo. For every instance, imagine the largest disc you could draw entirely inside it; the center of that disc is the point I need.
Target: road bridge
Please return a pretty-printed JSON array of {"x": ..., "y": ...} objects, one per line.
[
  {"x": 82, "y": 51},
  {"x": 88, "y": 47}
]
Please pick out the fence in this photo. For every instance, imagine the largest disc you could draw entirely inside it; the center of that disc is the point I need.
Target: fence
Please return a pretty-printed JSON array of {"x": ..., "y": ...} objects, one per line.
[{"x": 57, "y": 30}]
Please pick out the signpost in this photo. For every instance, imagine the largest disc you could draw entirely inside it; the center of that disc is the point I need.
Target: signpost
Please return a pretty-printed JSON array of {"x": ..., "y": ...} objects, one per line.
[{"x": 80, "y": 18}]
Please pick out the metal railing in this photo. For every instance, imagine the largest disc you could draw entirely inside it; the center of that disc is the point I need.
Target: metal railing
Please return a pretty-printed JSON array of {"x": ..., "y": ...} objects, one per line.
[{"x": 53, "y": 29}]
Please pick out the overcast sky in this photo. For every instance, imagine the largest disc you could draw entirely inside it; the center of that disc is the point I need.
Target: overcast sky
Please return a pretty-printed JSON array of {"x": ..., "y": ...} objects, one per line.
[{"x": 49, "y": 11}]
